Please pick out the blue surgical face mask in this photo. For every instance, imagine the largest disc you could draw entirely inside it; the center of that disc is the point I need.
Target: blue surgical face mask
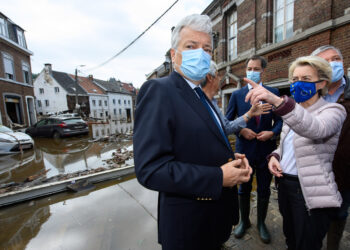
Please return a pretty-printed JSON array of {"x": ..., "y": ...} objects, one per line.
[
  {"x": 254, "y": 76},
  {"x": 337, "y": 70},
  {"x": 195, "y": 64},
  {"x": 303, "y": 91}
]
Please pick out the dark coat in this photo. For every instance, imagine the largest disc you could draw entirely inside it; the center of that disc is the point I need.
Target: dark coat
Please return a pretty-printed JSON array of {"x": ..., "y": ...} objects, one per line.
[
  {"x": 341, "y": 162},
  {"x": 254, "y": 149},
  {"x": 178, "y": 151}
]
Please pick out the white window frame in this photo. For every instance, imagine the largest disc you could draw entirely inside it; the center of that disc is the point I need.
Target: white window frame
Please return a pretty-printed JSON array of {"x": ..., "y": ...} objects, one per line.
[
  {"x": 25, "y": 68},
  {"x": 9, "y": 70},
  {"x": 94, "y": 103},
  {"x": 285, "y": 22},
  {"x": 232, "y": 38},
  {"x": 39, "y": 103},
  {"x": 41, "y": 91},
  {"x": 3, "y": 27},
  {"x": 47, "y": 103},
  {"x": 20, "y": 38},
  {"x": 57, "y": 89}
]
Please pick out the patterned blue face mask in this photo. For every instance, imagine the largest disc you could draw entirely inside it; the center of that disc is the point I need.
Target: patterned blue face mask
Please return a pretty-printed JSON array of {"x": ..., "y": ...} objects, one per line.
[
  {"x": 254, "y": 76},
  {"x": 337, "y": 70},
  {"x": 195, "y": 64},
  {"x": 303, "y": 91}
]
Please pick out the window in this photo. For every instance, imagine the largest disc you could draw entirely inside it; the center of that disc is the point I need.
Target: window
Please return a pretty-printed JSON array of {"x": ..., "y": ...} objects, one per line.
[
  {"x": 3, "y": 27},
  {"x": 20, "y": 38},
  {"x": 25, "y": 70},
  {"x": 119, "y": 102},
  {"x": 9, "y": 66},
  {"x": 115, "y": 111},
  {"x": 113, "y": 101},
  {"x": 101, "y": 115},
  {"x": 120, "y": 111},
  {"x": 47, "y": 103},
  {"x": 57, "y": 89},
  {"x": 106, "y": 103},
  {"x": 283, "y": 19},
  {"x": 94, "y": 103},
  {"x": 95, "y": 114},
  {"x": 124, "y": 102},
  {"x": 232, "y": 36},
  {"x": 99, "y": 102},
  {"x": 41, "y": 91},
  {"x": 39, "y": 103},
  {"x": 129, "y": 102}
]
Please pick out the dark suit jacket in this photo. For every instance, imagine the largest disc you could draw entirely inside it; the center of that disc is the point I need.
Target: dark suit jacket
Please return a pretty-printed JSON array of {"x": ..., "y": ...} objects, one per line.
[
  {"x": 254, "y": 149},
  {"x": 178, "y": 151}
]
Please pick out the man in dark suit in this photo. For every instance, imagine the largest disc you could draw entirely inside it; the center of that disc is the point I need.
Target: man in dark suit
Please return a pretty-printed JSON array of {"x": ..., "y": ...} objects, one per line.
[
  {"x": 256, "y": 141},
  {"x": 180, "y": 148}
]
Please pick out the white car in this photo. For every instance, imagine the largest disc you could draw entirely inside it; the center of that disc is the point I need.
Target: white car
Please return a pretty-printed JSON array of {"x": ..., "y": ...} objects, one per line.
[{"x": 12, "y": 142}]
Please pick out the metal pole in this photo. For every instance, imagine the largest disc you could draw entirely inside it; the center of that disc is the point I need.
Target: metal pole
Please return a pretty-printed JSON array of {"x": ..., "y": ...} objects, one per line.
[{"x": 76, "y": 90}]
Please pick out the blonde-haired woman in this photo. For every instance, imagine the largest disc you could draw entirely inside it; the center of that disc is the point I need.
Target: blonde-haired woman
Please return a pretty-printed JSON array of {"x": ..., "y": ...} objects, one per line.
[{"x": 302, "y": 163}]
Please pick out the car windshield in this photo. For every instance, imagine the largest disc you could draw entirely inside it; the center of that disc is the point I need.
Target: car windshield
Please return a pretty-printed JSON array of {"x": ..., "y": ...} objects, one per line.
[
  {"x": 4, "y": 129},
  {"x": 72, "y": 121}
]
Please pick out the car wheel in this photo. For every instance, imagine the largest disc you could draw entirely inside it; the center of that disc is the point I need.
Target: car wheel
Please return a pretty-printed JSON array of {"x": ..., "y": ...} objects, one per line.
[{"x": 56, "y": 135}]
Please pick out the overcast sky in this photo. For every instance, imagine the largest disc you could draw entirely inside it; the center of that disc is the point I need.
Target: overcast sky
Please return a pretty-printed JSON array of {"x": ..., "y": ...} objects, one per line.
[{"x": 67, "y": 33}]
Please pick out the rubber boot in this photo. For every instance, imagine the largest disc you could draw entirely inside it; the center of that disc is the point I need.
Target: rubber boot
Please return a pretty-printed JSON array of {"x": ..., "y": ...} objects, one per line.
[
  {"x": 244, "y": 209},
  {"x": 335, "y": 233},
  {"x": 263, "y": 204}
]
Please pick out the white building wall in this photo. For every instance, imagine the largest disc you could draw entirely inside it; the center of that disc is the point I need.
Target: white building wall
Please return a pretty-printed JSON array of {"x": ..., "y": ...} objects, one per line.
[
  {"x": 118, "y": 111},
  {"x": 57, "y": 101},
  {"x": 97, "y": 111}
]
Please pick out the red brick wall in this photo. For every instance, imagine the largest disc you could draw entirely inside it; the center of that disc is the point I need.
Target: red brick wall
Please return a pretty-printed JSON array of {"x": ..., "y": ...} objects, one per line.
[
  {"x": 17, "y": 56},
  {"x": 308, "y": 13},
  {"x": 338, "y": 7},
  {"x": 246, "y": 37}
]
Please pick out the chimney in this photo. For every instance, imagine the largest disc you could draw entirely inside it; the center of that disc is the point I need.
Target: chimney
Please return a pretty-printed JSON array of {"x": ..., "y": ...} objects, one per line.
[
  {"x": 48, "y": 68},
  {"x": 91, "y": 77}
]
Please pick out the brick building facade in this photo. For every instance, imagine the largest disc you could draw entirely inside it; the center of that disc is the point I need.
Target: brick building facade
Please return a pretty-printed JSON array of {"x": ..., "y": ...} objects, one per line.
[
  {"x": 17, "y": 104},
  {"x": 279, "y": 30}
]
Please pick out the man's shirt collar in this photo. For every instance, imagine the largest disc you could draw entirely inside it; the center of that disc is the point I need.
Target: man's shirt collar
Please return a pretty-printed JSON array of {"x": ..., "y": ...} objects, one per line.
[{"x": 250, "y": 86}]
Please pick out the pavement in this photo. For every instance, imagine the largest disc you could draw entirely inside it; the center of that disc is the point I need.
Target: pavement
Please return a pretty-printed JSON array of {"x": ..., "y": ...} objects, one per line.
[{"x": 273, "y": 221}]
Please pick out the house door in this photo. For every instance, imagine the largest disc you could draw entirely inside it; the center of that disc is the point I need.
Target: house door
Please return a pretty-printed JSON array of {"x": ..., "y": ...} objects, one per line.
[{"x": 13, "y": 109}]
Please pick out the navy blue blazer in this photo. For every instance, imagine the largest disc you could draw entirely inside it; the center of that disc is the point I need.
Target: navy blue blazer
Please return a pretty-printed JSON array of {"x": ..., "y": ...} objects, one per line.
[
  {"x": 178, "y": 151},
  {"x": 254, "y": 149}
]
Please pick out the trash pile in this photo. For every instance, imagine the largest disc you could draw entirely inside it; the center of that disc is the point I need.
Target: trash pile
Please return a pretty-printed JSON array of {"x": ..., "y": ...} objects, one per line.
[{"x": 121, "y": 158}]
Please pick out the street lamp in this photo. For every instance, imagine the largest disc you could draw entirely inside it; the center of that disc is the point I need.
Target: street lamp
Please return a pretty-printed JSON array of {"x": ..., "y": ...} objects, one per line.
[{"x": 76, "y": 90}]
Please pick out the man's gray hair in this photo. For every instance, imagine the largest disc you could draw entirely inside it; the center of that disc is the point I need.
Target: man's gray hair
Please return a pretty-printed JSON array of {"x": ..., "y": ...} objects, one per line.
[
  {"x": 196, "y": 22},
  {"x": 324, "y": 48},
  {"x": 212, "y": 71}
]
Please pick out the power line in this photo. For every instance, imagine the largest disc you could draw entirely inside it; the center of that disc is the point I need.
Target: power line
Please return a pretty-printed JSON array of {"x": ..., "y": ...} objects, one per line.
[{"x": 120, "y": 52}]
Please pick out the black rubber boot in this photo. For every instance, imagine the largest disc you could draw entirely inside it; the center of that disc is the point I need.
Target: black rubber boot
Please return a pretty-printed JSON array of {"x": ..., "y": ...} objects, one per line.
[
  {"x": 244, "y": 209},
  {"x": 263, "y": 204},
  {"x": 335, "y": 233}
]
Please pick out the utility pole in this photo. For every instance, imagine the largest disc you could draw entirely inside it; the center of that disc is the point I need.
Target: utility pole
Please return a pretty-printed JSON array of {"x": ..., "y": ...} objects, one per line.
[{"x": 76, "y": 89}]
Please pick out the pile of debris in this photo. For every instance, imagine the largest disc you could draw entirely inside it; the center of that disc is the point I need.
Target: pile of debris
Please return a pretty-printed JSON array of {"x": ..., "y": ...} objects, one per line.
[{"x": 121, "y": 158}]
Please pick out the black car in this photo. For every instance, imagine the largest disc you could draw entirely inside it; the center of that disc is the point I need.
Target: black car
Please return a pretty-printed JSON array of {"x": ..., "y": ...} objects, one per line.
[{"x": 58, "y": 127}]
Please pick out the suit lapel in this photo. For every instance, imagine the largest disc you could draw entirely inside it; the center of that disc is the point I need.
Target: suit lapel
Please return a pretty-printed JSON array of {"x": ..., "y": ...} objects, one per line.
[{"x": 194, "y": 102}]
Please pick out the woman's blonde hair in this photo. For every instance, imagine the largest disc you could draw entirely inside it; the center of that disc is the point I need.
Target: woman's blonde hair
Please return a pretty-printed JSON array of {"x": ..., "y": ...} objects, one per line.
[{"x": 322, "y": 67}]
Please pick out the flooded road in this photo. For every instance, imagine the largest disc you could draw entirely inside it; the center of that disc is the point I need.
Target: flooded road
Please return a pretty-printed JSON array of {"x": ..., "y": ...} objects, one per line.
[
  {"x": 62, "y": 156},
  {"x": 116, "y": 215}
]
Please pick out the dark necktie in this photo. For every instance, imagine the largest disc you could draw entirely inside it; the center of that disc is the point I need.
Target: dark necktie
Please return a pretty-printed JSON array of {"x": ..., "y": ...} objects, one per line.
[{"x": 207, "y": 106}]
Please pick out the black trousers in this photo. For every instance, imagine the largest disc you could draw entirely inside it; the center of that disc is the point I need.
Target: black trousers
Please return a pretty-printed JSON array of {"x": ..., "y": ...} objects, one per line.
[{"x": 303, "y": 229}]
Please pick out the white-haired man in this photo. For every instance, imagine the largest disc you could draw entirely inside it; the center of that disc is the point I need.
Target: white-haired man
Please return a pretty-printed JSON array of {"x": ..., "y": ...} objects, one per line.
[
  {"x": 211, "y": 86},
  {"x": 339, "y": 91},
  {"x": 181, "y": 150}
]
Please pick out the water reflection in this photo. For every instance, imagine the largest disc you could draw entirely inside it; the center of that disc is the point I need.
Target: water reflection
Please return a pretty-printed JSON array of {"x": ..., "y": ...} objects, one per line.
[
  {"x": 78, "y": 221},
  {"x": 112, "y": 128},
  {"x": 61, "y": 156}
]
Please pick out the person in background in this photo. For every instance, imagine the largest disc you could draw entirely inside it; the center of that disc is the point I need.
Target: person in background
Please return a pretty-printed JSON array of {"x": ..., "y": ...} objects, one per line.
[
  {"x": 302, "y": 164},
  {"x": 339, "y": 91},
  {"x": 181, "y": 150},
  {"x": 256, "y": 141},
  {"x": 211, "y": 86}
]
